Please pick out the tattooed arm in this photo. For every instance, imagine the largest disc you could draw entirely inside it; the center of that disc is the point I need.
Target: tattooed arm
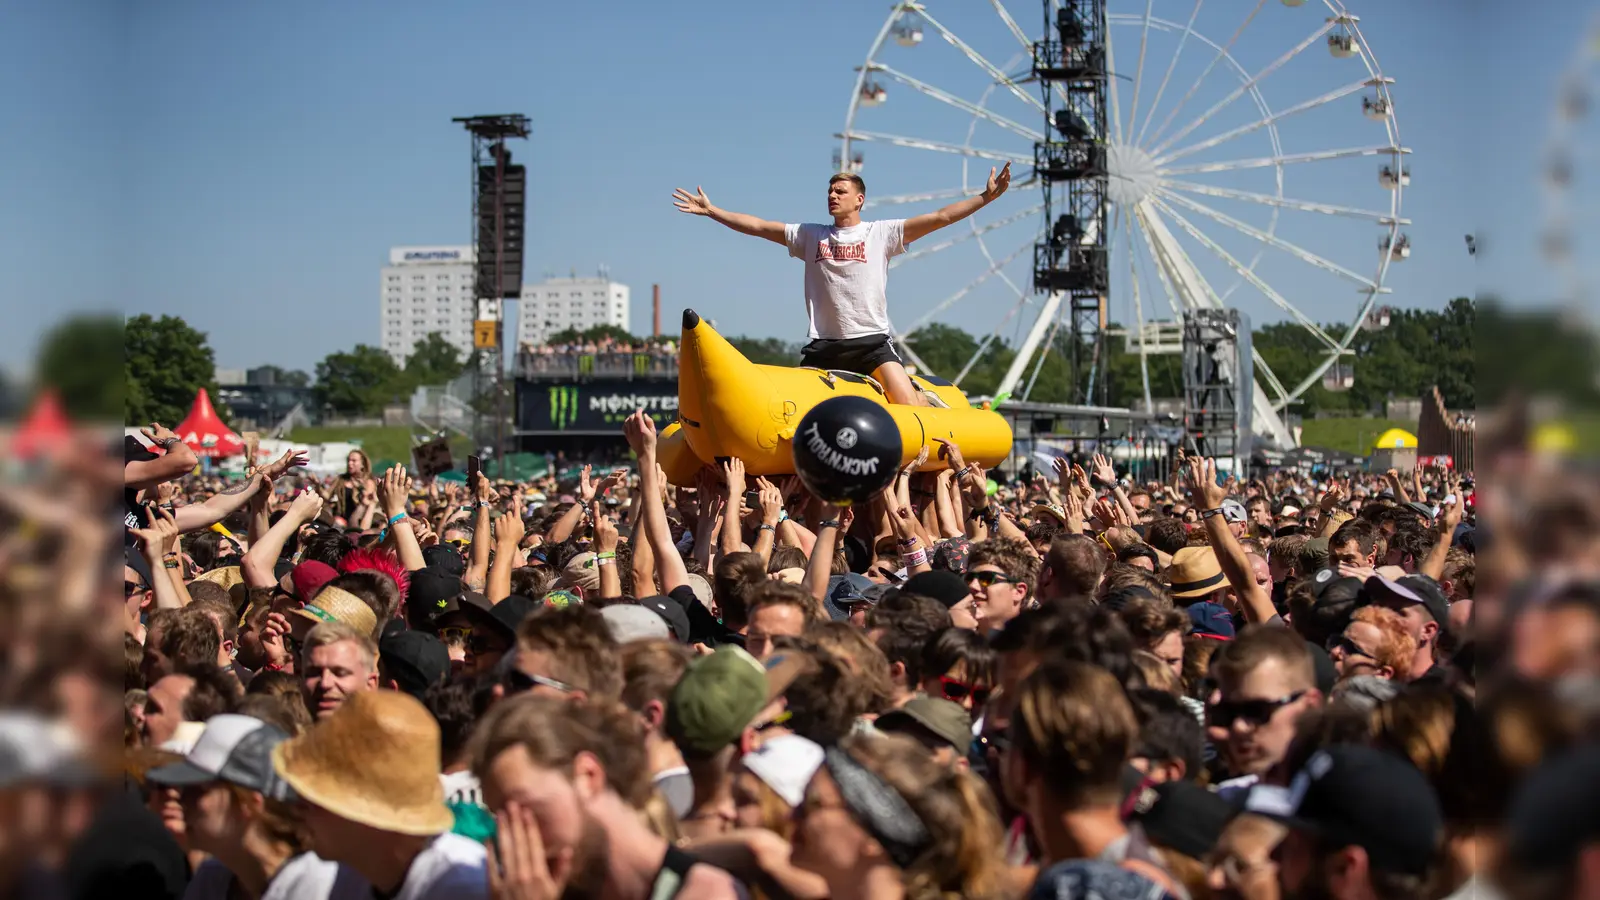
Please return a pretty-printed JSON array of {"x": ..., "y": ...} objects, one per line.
[{"x": 219, "y": 506}]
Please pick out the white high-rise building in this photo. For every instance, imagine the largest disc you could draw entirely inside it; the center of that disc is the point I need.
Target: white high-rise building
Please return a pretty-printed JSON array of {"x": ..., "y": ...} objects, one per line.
[
  {"x": 557, "y": 304},
  {"x": 426, "y": 289}
]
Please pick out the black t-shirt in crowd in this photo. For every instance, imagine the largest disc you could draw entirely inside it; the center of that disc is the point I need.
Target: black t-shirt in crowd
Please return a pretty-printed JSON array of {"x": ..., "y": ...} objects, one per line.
[
  {"x": 134, "y": 514},
  {"x": 126, "y": 853}
]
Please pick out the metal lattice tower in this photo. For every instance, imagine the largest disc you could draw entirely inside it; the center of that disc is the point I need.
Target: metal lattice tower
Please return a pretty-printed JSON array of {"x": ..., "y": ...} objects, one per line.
[{"x": 1071, "y": 263}]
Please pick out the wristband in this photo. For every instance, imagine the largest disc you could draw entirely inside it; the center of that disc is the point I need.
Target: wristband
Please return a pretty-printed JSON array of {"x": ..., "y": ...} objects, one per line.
[
  {"x": 828, "y": 523},
  {"x": 916, "y": 558},
  {"x": 606, "y": 560},
  {"x": 606, "y": 554},
  {"x": 1211, "y": 512},
  {"x": 171, "y": 563},
  {"x": 963, "y": 471},
  {"x": 396, "y": 517},
  {"x": 765, "y": 527},
  {"x": 783, "y": 516}
]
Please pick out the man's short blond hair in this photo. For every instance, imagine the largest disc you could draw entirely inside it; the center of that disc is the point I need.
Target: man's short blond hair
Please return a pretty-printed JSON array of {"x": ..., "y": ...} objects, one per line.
[{"x": 329, "y": 633}]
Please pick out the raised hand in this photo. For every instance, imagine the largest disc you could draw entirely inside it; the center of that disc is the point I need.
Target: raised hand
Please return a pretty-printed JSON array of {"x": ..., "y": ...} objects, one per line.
[
  {"x": 771, "y": 501},
  {"x": 1103, "y": 471},
  {"x": 640, "y": 430},
  {"x": 1201, "y": 475},
  {"x": 273, "y": 633},
  {"x": 586, "y": 488},
  {"x": 695, "y": 204},
  {"x": 159, "y": 434},
  {"x": 289, "y": 460},
  {"x": 733, "y": 478},
  {"x": 997, "y": 183},
  {"x": 484, "y": 491},
  {"x": 509, "y": 529},
  {"x": 605, "y": 534},
  {"x": 612, "y": 479},
  {"x": 950, "y": 451},
  {"x": 307, "y": 506},
  {"x": 158, "y": 537}
]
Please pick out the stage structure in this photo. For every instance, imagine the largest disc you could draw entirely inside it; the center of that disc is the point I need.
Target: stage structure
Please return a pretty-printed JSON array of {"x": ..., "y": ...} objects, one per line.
[
  {"x": 1070, "y": 262},
  {"x": 499, "y": 205},
  {"x": 1218, "y": 385}
]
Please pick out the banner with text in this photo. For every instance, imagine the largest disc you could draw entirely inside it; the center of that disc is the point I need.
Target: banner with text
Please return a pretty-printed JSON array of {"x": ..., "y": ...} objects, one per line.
[{"x": 598, "y": 406}]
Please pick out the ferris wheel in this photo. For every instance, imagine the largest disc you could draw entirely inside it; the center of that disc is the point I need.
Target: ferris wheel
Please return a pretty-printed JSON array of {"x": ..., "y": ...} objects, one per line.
[
  {"x": 1566, "y": 217},
  {"x": 1253, "y": 159}
]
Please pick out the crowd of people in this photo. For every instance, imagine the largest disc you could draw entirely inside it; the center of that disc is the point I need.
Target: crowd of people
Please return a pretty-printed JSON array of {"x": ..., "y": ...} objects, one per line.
[
  {"x": 1075, "y": 687},
  {"x": 605, "y": 354}
]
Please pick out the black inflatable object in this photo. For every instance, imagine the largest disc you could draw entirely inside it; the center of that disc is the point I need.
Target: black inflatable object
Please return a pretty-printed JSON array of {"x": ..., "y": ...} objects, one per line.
[{"x": 846, "y": 450}]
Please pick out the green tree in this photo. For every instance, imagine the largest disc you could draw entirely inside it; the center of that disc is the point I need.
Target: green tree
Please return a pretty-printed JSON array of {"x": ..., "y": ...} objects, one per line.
[
  {"x": 767, "y": 351},
  {"x": 575, "y": 336},
  {"x": 433, "y": 360},
  {"x": 165, "y": 363},
  {"x": 358, "y": 382},
  {"x": 79, "y": 359}
]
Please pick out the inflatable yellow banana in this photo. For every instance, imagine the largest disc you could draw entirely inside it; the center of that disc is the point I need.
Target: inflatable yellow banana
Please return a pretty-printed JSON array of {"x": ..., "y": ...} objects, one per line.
[{"x": 729, "y": 406}]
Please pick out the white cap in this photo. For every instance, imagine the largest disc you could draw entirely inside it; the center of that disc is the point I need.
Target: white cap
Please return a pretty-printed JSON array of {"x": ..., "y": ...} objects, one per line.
[
  {"x": 785, "y": 764},
  {"x": 232, "y": 748},
  {"x": 630, "y": 622}
]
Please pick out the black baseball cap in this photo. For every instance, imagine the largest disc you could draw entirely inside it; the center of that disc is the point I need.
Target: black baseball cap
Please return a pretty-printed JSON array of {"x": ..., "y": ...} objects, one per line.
[
  {"x": 444, "y": 559},
  {"x": 1329, "y": 587},
  {"x": 415, "y": 660},
  {"x": 676, "y": 617},
  {"x": 1349, "y": 795},
  {"x": 1183, "y": 816},
  {"x": 430, "y": 595},
  {"x": 1408, "y": 590},
  {"x": 1556, "y": 811},
  {"x": 1433, "y": 598},
  {"x": 945, "y": 587}
]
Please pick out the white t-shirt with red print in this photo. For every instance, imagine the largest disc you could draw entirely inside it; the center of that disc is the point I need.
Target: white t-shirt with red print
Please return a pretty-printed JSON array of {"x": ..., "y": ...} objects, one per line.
[{"x": 847, "y": 275}]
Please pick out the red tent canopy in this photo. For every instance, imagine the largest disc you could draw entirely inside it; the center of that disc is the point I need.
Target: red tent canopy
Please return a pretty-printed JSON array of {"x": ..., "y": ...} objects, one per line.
[
  {"x": 205, "y": 433},
  {"x": 45, "y": 430}
]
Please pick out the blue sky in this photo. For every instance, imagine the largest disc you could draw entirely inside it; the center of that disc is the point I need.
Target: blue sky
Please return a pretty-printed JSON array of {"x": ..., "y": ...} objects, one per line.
[{"x": 247, "y": 166}]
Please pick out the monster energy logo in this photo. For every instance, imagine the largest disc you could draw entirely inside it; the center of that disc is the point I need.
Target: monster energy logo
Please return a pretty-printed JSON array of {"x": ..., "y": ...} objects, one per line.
[
  {"x": 609, "y": 409},
  {"x": 563, "y": 407}
]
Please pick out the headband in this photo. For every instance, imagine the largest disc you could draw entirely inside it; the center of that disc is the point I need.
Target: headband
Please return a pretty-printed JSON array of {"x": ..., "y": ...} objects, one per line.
[{"x": 879, "y": 808}]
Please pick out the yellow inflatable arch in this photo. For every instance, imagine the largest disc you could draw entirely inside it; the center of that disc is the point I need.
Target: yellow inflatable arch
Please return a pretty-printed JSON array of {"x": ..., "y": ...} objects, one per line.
[{"x": 731, "y": 407}]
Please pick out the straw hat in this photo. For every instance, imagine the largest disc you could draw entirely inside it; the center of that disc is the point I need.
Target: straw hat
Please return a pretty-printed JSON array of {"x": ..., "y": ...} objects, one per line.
[
  {"x": 1195, "y": 572},
  {"x": 225, "y": 577},
  {"x": 334, "y": 604},
  {"x": 375, "y": 761}
]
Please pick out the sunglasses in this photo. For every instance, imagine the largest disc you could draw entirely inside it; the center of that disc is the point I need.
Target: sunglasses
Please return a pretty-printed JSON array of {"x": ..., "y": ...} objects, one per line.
[
  {"x": 129, "y": 588},
  {"x": 986, "y": 579},
  {"x": 1350, "y": 648},
  {"x": 455, "y": 634},
  {"x": 958, "y": 691},
  {"x": 458, "y": 543},
  {"x": 1255, "y": 712},
  {"x": 483, "y": 643},
  {"x": 518, "y": 681}
]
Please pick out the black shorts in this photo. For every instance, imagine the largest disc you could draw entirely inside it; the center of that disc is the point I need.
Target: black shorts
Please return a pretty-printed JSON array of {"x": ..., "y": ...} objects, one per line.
[{"x": 861, "y": 355}]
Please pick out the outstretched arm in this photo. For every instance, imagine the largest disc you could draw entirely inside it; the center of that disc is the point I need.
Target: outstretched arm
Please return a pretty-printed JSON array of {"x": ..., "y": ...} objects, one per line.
[
  {"x": 928, "y": 223},
  {"x": 698, "y": 204}
]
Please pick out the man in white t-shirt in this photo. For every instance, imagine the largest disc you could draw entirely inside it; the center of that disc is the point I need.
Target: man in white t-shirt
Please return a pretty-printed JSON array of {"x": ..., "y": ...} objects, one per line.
[{"x": 847, "y": 273}]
